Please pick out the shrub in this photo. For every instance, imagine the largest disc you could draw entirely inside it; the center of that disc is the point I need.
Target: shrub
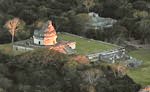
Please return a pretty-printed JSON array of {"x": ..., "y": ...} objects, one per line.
[
  {"x": 140, "y": 14},
  {"x": 5, "y": 36}
]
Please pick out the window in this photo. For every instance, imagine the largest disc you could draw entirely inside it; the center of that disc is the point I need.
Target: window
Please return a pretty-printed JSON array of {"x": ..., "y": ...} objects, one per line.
[{"x": 39, "y": 42}]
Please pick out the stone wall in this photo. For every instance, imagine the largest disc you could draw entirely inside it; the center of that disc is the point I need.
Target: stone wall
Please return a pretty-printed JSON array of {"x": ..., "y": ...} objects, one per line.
[
  {"x": 108, "y": 56},
  {"x": 21, "y": 48},
  {"x": 115, "y": 55},
  {"x": 38, "y": 41}
]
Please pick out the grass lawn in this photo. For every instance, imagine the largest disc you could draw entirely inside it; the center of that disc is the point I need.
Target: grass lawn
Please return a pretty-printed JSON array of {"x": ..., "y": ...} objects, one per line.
[
  {"x": 142, "y": 74},
  {"x": 85, "y": 46},
  {"x": 7, "y": 49}
]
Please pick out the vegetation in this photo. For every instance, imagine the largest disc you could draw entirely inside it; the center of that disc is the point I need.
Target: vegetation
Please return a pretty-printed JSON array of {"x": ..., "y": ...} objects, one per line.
[
  {"x": 12, "y": 26},
  {"x": 141, "y": 54},
  {"x": 7, "y": 49},
  {"x": 141, "y": 75},
  {"x": 82, "y": 48},
  {"x": 132, "y": 15},
  {"x": 88, "y": 4},
  {"x": 5, "y": 37},
  {"x": 49, "y": 71}
]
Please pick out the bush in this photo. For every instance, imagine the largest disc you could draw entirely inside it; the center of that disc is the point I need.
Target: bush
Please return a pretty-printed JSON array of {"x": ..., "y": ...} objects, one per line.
[
  {"x": 5, "y": 36},
  {"x": 113, "y": 35},
  {"x": 49, "y": 71},
  {"x": 140, "y": 5},
  {"x": 142, "y": 31},
  {"x": 140, "y": 14}
]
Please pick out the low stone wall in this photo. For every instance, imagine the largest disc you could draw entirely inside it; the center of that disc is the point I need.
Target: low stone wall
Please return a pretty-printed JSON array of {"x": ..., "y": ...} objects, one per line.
[
  {"x": 113, "y": 56},
  {"x": 108, "y": 56},
  {"x": 21, "y": 48}
]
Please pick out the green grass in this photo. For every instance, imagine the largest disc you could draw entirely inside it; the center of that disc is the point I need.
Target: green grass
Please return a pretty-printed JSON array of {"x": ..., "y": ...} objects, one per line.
[
  {"x": 142, "y": 74},
  {"x": 7, "y": 49},
  {"x": 86, "y": 46}
]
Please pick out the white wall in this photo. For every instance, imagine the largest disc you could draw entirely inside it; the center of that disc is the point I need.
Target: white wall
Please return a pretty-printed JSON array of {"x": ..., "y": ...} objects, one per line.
[
  {"x": 37, "y": 41},
  {"x": 72, "y": 45}
]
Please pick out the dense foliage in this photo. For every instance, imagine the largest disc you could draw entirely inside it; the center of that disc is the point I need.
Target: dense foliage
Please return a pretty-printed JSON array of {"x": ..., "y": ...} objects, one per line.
[
  {"x": 133, "y": 16},
  {"x": 49, "y": 71}
]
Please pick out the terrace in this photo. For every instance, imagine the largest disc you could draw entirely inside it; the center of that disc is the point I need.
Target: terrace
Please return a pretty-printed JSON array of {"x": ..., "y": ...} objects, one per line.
[{"x": 87, "y": 46}]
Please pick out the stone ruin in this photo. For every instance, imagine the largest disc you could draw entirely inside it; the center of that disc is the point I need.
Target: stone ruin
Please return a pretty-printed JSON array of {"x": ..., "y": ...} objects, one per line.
[
  {"x": 108, "y": 56},
  {"x": 97, "y": 22},
  {"x": 46, "y": 37},
  {"x": 115, "y": 56},
  {"x": 133, "y": 62}
]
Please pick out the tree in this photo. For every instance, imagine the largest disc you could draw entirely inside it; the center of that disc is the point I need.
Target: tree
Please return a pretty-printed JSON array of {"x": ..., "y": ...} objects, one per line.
[
  {"x": 119, "y": 69},
  {"x": 142, "y": 31},
  {"x": 88, "y": 4},
  {"x": 90, "y": 78},
  {"x": 140, "y": 14},
  {"x": 12, "y": 26},
  {"x": 5, "y": 37}
]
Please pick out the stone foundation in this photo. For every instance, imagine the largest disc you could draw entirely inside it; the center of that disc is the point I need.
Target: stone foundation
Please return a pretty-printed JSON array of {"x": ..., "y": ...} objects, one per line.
[
  {"x": 66, "y": 47},
  {"x": 22, "y": 48},
  {"x": 108, "y": 56}
]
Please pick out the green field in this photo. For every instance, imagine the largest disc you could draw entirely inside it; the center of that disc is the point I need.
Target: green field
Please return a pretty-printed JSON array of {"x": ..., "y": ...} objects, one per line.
[
  {"x": 7, "y": 49},
  {"x": 86, "y": 46},
  {"x": 142, "y": 74}
]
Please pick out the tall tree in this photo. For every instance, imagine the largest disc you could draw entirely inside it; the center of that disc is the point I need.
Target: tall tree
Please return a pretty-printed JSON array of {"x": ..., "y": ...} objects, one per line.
[{"x": 12, "y": 26}]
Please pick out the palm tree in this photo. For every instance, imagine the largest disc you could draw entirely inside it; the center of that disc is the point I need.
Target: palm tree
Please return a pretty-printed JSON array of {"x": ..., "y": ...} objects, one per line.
[{"x": 12, "y": 26}]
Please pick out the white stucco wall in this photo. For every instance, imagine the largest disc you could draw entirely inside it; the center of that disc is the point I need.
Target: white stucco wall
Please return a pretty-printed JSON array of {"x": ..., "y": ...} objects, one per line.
[
  {"x": 37, "y": 41},
  {"x": 72, "y": 45}
]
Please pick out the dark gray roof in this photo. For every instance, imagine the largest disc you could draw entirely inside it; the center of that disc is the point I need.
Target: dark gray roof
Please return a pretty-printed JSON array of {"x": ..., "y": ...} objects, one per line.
[{"x": 40, "y": 32}]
